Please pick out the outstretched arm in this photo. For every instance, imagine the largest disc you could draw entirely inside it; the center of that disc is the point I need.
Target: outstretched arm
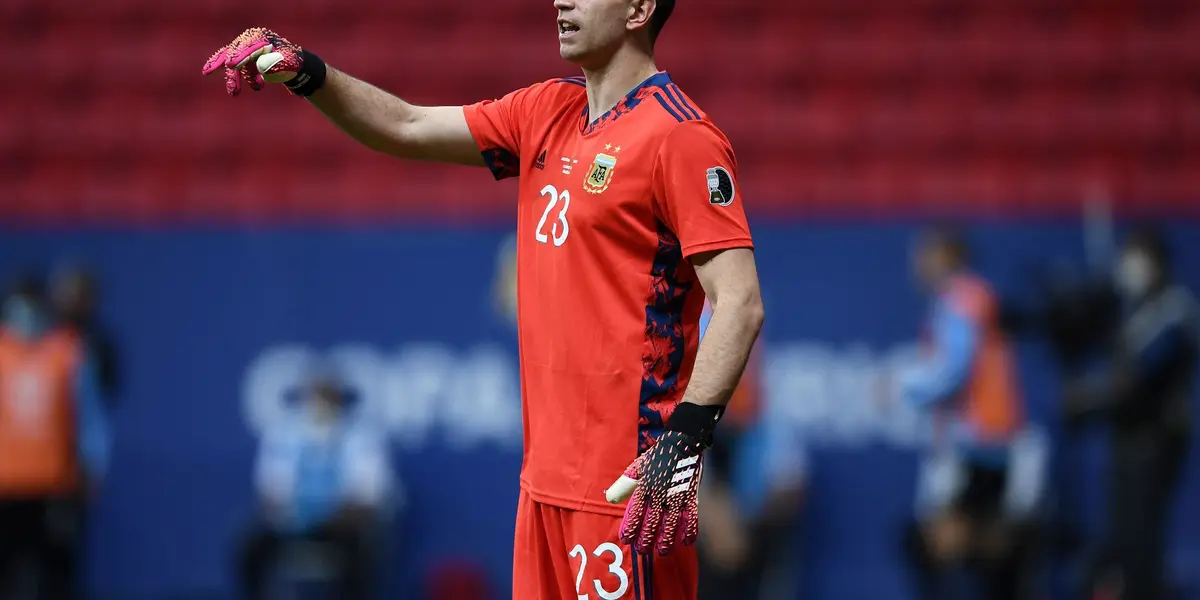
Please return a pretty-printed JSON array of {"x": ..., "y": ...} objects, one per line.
[
  {"x": 370, "y": 115},
  {"x": 384, "y": 122}
]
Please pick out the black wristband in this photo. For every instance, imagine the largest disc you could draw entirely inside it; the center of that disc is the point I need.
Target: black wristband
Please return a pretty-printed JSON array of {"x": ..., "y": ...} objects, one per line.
[
  {"x": 695, "y": 420},
  {"x": 311, "y": 76}
]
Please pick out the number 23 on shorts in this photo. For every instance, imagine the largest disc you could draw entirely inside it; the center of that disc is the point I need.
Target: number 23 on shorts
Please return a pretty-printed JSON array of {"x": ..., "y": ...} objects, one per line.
[{"x": 600, "y": 573}]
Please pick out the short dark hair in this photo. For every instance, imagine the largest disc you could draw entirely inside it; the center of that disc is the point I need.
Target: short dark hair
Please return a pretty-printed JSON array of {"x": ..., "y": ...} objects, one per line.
[{"x": 662, "y": 12}]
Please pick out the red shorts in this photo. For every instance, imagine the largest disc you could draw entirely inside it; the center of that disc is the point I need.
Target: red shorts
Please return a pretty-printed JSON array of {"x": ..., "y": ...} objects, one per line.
[{"x": 562, "y": 554}]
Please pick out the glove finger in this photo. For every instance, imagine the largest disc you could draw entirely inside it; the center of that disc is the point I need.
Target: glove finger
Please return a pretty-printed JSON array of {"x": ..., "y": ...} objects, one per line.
[
  {"x": 621, "y": 489},
  {"x": 236, "y": 59},
  {"x": 233, "y": 82},
  {"x": 668, "y": 529},
  {"x": 681, "y": 532},
  {"x": 689, "y": 523},
  {"x": 651, "y": 524},
  {"x": 625, "y": 485},
  {"x": 253, "y": 77},
  {"x": 253, "y": 56},
  {"x": 635, "y": 515},
  {"x": 216, "y": 61}
]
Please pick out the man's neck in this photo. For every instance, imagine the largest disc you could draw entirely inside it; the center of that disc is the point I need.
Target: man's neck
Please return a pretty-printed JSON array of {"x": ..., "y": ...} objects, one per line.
[{"x": 607, "y": 85}]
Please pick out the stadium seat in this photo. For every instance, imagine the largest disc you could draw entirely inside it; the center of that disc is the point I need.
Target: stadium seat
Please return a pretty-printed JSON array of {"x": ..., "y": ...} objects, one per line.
[{"x": 833, "y": 105}]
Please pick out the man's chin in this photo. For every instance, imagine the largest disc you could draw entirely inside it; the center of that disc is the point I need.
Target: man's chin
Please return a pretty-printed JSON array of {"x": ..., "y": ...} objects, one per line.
[{"x": 570, "y": 53}]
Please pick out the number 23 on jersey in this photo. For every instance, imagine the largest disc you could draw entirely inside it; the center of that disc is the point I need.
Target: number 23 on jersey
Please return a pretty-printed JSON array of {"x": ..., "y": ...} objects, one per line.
[{"x": 558, "y": 228}]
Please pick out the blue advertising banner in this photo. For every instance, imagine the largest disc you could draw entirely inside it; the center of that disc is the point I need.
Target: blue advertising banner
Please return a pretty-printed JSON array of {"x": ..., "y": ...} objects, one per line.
[{"x": 215, "y": 325}]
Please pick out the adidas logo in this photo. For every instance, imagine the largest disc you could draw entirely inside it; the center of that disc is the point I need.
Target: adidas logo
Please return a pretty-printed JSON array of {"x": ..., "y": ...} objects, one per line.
[
  {"x": 682, "y": 479},
  {"x": 540, "y": 163}
]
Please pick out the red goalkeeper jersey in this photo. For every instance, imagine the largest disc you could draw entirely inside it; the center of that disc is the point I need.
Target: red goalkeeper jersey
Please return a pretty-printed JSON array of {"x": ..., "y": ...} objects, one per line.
[{"x": 610, "y": 208}]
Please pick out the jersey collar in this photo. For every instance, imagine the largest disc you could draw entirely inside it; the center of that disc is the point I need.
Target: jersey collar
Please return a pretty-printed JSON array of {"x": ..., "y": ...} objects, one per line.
[{"x": 627, "y": 104}]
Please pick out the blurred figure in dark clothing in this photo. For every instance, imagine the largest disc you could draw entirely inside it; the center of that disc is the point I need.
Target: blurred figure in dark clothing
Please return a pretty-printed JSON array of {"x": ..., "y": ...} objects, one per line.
[
  {"x": 1143, "y": 393},
  {"x": 75, "y": 297},
  {"x": 966, "y": 380}
]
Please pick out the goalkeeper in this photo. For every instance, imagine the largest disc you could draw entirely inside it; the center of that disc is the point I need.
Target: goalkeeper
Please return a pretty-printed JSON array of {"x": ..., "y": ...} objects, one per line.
[{"x": 614, "y": 260}]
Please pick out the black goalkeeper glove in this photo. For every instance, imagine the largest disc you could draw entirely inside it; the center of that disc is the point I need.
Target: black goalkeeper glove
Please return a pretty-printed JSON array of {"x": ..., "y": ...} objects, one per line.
[{"x": 663, "y": 482}]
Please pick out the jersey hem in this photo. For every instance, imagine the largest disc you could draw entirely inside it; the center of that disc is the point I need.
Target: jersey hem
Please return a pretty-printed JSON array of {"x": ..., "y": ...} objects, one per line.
[
  {"x": 601, "y": 507},
  {"x": 726, "y": 244}
]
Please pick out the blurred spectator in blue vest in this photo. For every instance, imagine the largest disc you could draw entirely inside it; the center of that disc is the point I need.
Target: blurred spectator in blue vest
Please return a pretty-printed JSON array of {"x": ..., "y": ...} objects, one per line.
[
  {"x": 967, "y": 382},
  {"x": 323, "y": 478}
]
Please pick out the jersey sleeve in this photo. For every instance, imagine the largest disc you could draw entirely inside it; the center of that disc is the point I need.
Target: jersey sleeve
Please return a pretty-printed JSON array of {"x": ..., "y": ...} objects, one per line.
[
  {"x": 695, "y": 187},
  {"x": 497, "y": 126},
  {"x": 956, "y": 340}
]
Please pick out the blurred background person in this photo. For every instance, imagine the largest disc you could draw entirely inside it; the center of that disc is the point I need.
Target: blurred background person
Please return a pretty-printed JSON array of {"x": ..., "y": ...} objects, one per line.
[
  {"x": 967, "y": 380},
  {"x": 1144, "y": 393},
  {"x": 753, "y": 492},
  {"x": 323, "y": 479},
  {"x": 76, "y": 295},
  {"x": 53, "y": 447}
]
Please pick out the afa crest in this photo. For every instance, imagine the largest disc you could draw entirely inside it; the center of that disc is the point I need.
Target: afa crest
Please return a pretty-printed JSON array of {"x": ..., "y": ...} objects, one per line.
[{"x": 599, "y": 177}]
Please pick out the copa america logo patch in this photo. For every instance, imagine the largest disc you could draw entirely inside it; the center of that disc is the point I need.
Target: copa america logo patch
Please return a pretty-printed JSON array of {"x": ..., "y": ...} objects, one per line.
[{"x": 720, "y": 186}]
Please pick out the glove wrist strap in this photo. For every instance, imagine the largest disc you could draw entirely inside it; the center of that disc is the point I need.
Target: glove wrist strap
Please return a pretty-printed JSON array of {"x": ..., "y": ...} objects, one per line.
[
  {"x": 311, "y": 76},
  {"x": 695, "y": 420}
]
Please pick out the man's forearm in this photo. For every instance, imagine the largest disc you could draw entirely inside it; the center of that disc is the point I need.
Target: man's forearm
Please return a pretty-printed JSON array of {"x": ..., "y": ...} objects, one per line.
[
  {"x": 724, "y": 352},
  {"x": 375, "y": 118},
  {"x": 390, "y": 125}
]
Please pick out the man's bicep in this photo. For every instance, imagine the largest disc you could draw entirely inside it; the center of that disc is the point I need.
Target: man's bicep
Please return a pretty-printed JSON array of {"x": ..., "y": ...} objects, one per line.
[
  {"x": 729, "y": 275},
  {"x": 486, "y": 133},
  {"x": 695, "y": 185},
  {"x": 496, "y": 127},
  {"x": 444, "y": 133}
]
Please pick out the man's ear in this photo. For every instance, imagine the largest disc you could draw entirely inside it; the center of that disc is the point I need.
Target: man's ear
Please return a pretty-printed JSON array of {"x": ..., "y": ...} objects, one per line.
[{"x": 639, "y": 14}]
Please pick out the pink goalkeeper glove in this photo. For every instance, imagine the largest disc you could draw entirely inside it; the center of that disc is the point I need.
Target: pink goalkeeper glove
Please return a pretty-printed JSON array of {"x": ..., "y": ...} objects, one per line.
[
  {"x": 663, "y": 482},
  {"x": 259, "y": 55}
]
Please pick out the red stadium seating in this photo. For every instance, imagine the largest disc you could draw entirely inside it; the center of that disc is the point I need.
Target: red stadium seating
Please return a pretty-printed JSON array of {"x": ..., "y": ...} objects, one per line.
[{"x": 834, "y": 106}]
